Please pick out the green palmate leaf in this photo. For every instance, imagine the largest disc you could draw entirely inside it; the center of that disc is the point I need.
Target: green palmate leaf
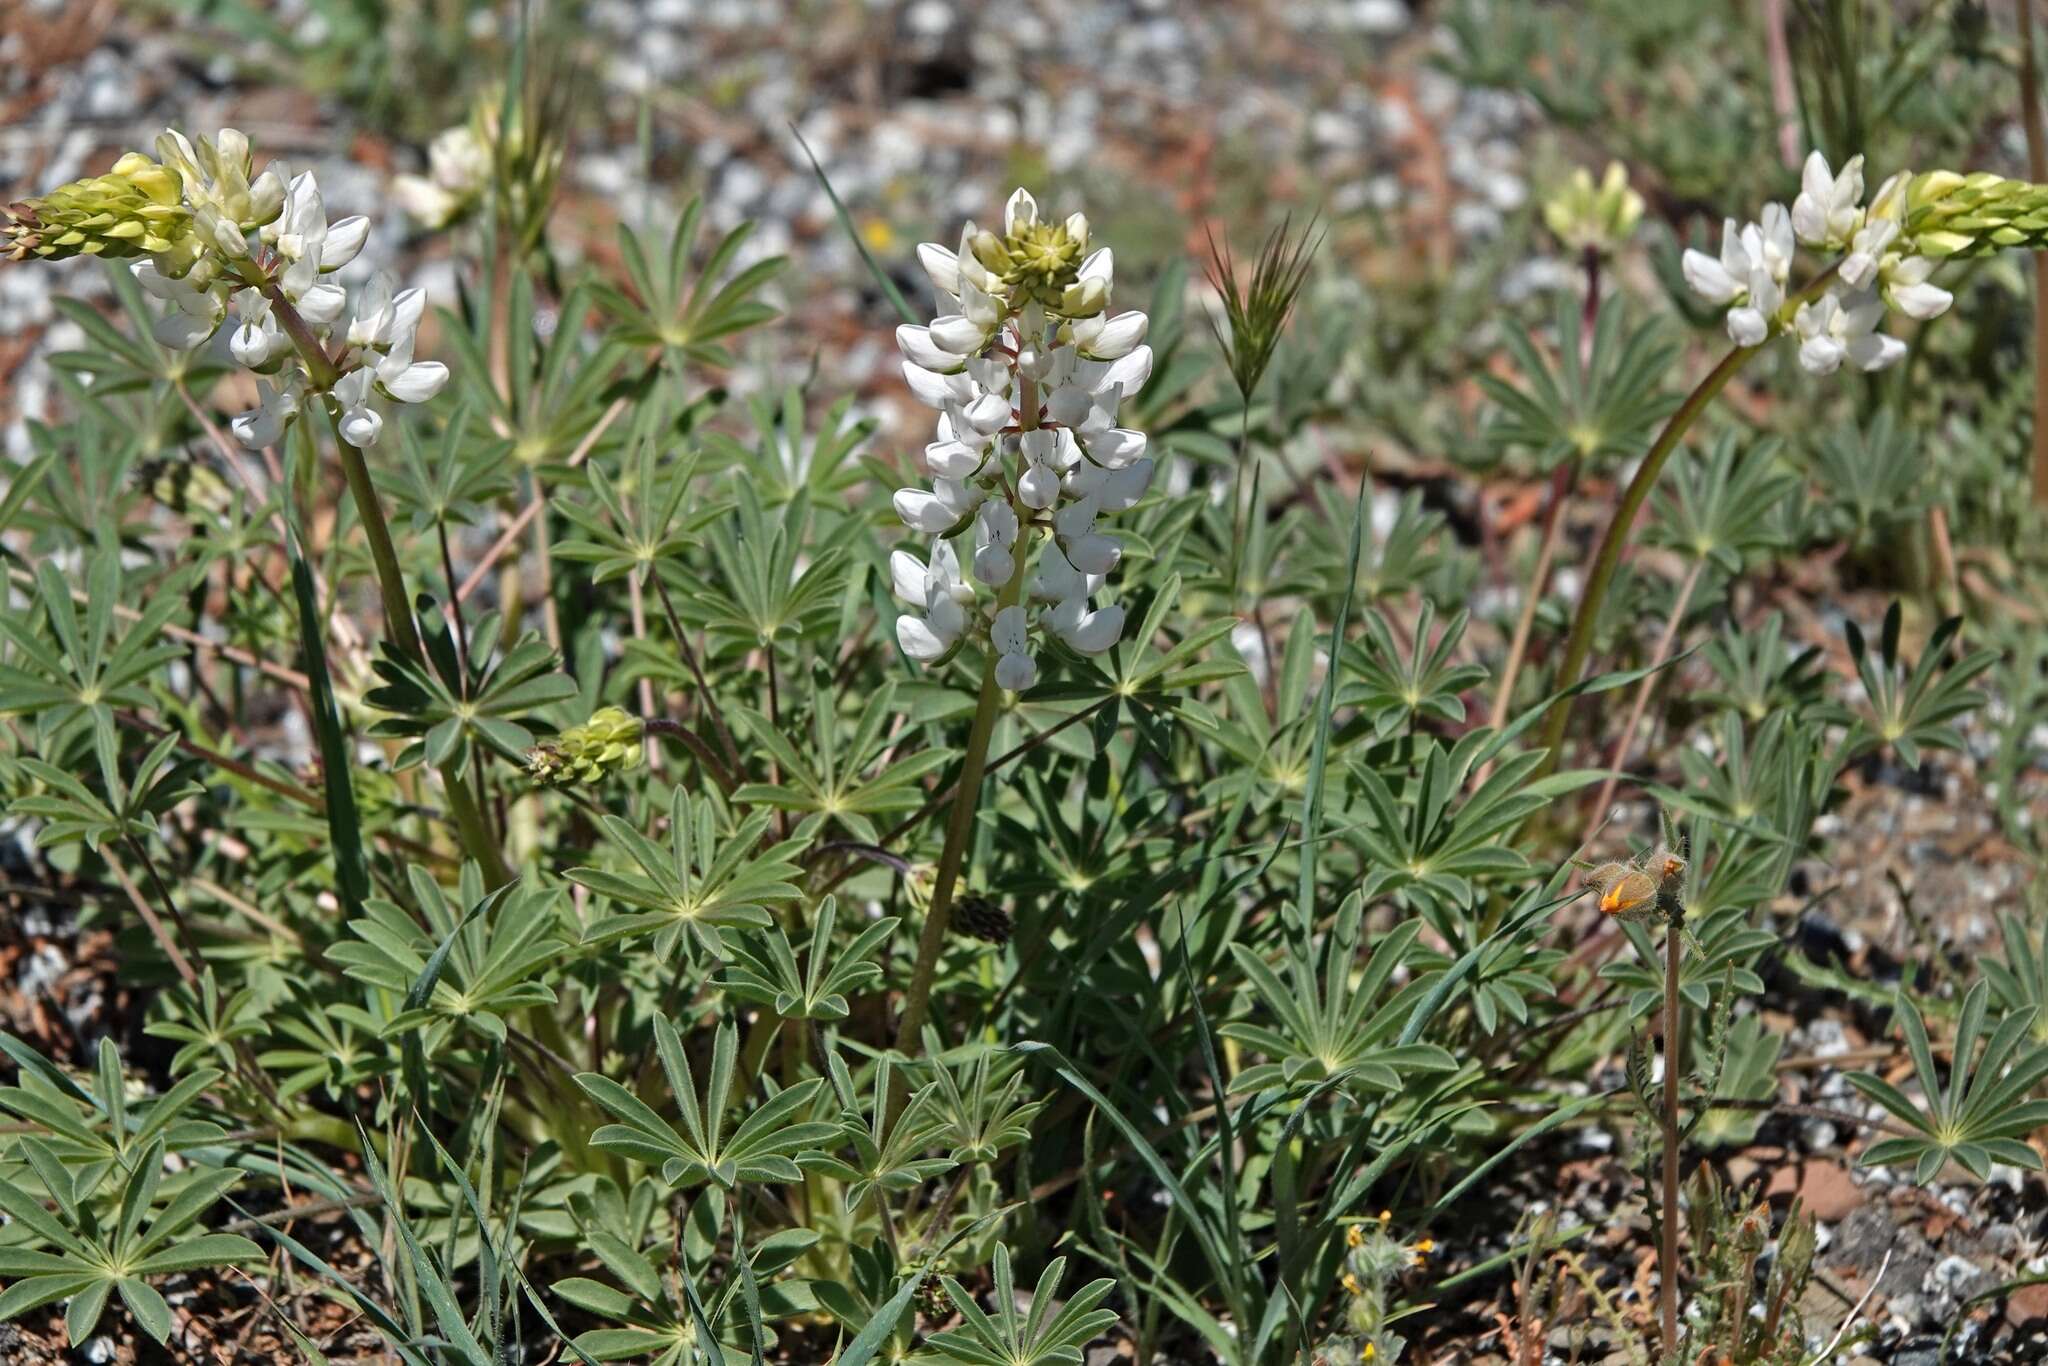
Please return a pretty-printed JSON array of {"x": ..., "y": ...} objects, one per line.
[
  {"x": 91, "y": 1255},
  {"x": 450, "y": 484},
  {"x": 2019, "y": 981},
  {"x": 888, "y": 1138},
  {"x": 687, "y": 314},
  {"x": 1913, "y": 706},
  {"x": 1398, "y": 686},
  {"x": 1326, "y": 1024},
  {"x": 631, "y": 525},
  {"x": 68, "y": 669},
  {"x": 1434, "y": 849},
  {"x": 764, "y": 967},
  {"x": 767, "y": 583},
  {"x": 1605, "y": 404},
  {"x": 696, "y": 1148},
  {"x": 1013, "y": 1338},
  {"x": 787, "y": 458},
  {"x": 979, "y": 1104},
  {"x": 1756, "y": 673},
  {"x": 712, "y": 874},
  {"x": 1716, "y": 507},
  {"x": 1983, "y": 1113},
  {"x": 476, "y": 968},
  {"x": 1873, "y": 477},
  {"x": 844, "y": 776},
  {"x": 467, "y": 692}
]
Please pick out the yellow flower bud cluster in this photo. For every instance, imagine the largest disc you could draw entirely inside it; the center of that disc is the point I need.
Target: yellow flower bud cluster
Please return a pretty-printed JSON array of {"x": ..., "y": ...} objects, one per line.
[
  {"x": 1040, "y": 260},
  {"x": 1599, "y": 218},
  {"x": 1948, "y": 214},
  {"x": 135, "y": 209},
  {"x": 609, "y": 742}
]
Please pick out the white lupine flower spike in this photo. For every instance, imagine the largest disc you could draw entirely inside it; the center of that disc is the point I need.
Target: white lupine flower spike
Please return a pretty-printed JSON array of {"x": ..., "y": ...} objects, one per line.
[
  {"x": 1027, "y": 368},
  {"x": 1879, "y": 257}
]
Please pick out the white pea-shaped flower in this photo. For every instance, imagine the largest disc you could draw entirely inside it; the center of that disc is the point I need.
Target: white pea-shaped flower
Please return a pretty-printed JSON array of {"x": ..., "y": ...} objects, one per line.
[
  {"x": 256, "y": 339},
  {"x": 360, "y": 423},
  {"x": 1010, "y": 634},
  {"x": 1829, "y": 208}
]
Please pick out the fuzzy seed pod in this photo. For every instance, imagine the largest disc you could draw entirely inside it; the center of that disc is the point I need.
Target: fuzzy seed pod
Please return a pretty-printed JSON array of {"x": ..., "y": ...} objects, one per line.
[{"x": 980, "y": 918}]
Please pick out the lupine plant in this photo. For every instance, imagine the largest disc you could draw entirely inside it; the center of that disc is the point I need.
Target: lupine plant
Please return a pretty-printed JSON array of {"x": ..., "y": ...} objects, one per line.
[{"x": 606, "y": 871}]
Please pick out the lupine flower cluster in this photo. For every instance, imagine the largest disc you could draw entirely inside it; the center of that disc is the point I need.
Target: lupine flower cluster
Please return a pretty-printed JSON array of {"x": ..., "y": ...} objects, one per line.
[
  {"x": 213, "y": 242},
  {"x": 1596, "y": 218},
  {"x": 1027, "y": 371},
  {"x": 1883, "y": 264},
  {"x": 458, "y": 172},
  {"x": 611, "y": 741}
]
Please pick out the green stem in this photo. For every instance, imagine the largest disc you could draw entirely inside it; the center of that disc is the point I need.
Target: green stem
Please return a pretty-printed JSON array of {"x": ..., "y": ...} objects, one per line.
[
  {"x": 1667, "y": 1270},
  {"x": 959, "y": 827},
  {"x": 967, "y": 796},
  {"x": 470, "y": 826},
  {"x": 398, "y": 620},
  {"x": 1608, "y": 559},
  {"x": 1237, "y": 509}
]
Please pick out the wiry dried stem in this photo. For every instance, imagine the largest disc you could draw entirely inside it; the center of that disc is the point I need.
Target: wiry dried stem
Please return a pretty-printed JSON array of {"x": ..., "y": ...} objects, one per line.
[
  {"x": 1643, "y": 689},
  {"x": 2037, "y": 170},
  {"x": 1667, "y": 1264}
]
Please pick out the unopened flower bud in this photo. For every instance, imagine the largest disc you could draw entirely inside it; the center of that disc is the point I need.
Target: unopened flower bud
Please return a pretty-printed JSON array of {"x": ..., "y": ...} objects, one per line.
[{"x": 609, "y": 742}]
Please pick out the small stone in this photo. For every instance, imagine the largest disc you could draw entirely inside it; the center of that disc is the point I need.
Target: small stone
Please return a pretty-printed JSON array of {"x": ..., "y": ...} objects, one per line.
[
  {"x": 2027, "y": 1305},
  {"x": 1956, "y": 1278}
]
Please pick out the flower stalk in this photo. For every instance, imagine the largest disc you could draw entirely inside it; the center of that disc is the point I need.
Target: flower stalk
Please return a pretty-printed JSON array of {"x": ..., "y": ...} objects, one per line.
[
  {"x": 1580, "y": 643},
  {"x": 471, "y": 827},
  {"x": 960, "y": 820},
  {"x": 1027, "y": 377},
  {"x": 1667, "y": 1260},
  {"x": 959, "y": 828}
]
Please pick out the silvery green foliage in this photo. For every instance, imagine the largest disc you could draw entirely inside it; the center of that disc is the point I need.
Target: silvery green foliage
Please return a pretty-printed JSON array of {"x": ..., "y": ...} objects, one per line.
[{"x": 1270, "y": 919}]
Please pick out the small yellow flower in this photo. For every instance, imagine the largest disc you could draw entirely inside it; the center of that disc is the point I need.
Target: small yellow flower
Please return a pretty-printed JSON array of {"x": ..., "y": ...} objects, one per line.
[
  {"x": 1351, "y": 1284},
  {"x": 1426, "y": 1246},
  {"x": 878, "y": 235},
  {"x": 1386, "y": 1216},
  {"x": 1369, "y": 1353},
  {"x": 1354, "y": 1236}
]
